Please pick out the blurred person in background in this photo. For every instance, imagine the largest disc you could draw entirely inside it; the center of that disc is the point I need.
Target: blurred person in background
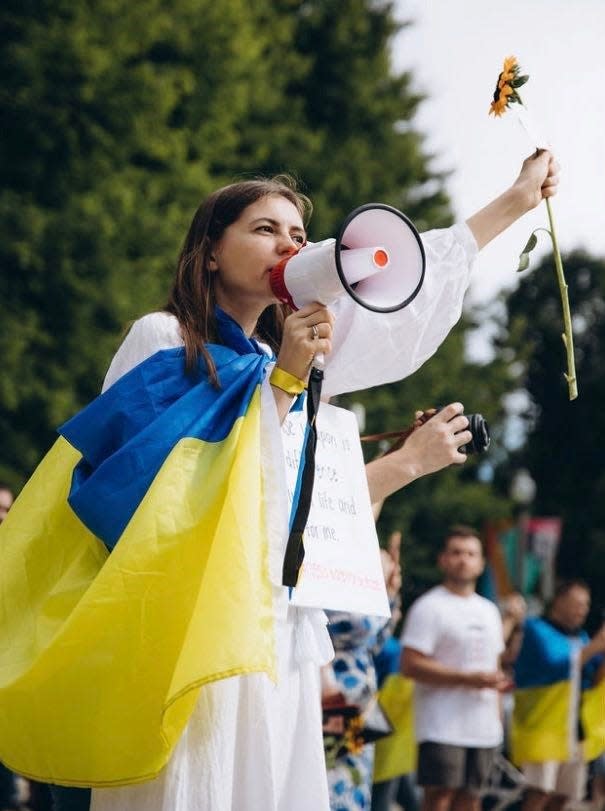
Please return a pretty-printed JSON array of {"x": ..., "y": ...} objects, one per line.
[
  {"x": 513, "y": 609},
  {"x": 349, "y": 682},
  {"x": 396, "y": 755},
  {"x": 558, "y": 722},
  {"x": 452, "y": 643},
  {"x": 597, "y": 795}
]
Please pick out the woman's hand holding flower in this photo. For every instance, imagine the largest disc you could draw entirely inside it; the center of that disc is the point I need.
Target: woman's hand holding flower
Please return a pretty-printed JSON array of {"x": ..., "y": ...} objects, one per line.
[{"x": 538, "y": 178}]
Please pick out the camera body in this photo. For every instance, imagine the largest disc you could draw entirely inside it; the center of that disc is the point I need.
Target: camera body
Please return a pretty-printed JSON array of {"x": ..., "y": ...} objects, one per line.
[{"x": 479, "y": 428}]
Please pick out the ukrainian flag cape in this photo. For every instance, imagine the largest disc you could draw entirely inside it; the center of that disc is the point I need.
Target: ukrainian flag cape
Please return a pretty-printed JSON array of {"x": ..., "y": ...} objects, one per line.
[
  {"x": 133, "y": 570},
  {"x": 548, "y": 681}
]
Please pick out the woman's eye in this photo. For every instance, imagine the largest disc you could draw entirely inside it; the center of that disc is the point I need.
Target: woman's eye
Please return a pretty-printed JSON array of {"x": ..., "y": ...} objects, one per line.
[
  {"x": 267, "y": 228},
  {"x": 299, "y": 238}
]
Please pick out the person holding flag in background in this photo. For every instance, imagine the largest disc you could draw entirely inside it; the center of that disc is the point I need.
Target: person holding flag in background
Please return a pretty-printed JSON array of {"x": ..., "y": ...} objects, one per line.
[
  {"x": 147, "y": 646},
  {"x": 558, "y": 721}
]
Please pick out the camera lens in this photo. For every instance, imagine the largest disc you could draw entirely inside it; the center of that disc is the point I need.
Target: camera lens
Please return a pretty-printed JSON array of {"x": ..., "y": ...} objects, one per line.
[{"x": 480, "y": 431}]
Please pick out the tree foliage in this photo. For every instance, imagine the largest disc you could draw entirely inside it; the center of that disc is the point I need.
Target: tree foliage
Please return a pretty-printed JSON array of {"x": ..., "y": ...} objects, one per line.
[
  {"x": 120, "y": 117},
  {"x": 460, "y": 494},
  {"x": 115, "y": 123},
  {"x": 564, "y": 449}
]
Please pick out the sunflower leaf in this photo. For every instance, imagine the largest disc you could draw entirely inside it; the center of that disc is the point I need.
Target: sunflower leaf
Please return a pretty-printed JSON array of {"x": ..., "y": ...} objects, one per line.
[
  {"x": 523, "y": 262},
  {"x": 531, "y": 243},
  {"x": 520, "y": 80},
  {"x": 524, "y": 257}
]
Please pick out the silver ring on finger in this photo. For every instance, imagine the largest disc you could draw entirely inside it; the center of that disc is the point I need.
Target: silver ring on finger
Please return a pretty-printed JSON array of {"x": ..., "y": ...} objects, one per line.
[{"x": 314, "y": 332}]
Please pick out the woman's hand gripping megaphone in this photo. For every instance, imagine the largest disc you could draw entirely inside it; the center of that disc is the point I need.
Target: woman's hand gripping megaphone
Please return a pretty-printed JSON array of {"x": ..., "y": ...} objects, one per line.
[
  {"x": 307, "y": 338},
  {"x": 312, "y": 276}
]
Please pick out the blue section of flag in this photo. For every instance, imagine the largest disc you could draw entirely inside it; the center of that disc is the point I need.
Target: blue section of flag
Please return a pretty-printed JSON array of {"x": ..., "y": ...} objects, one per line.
[
  {"x": 125, "y": 435},
  {"x": 545, "y": 655},
  {"x": 388, "y": 660},
  {"x": 486, "y": 585}
]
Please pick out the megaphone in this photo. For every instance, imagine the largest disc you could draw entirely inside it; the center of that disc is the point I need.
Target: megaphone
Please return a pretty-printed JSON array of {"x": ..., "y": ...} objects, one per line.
[{"x": 377, "y": 259}]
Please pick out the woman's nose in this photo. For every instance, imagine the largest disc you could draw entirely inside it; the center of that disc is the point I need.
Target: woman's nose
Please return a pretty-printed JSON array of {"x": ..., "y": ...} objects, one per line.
[{"x": 287, "y": 245}]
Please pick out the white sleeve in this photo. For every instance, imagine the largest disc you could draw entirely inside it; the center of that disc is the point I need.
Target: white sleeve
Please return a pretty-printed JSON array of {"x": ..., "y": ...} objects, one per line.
[
  {"x": 369, "y": 349},
  {"x": 147, "y": 336},
  {"x": 421, "y": 627}
]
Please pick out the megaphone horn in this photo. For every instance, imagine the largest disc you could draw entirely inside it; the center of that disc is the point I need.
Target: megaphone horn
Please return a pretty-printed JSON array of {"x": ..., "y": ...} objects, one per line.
[{"x": 377, "y": 259}]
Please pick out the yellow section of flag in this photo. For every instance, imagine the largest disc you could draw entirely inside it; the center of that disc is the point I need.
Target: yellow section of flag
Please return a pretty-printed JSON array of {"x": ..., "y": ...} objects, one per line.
[
  {"x": 593, "y": 721},
  {"x": 396, "y": 754},
  {"x": 101, "y": 655}
]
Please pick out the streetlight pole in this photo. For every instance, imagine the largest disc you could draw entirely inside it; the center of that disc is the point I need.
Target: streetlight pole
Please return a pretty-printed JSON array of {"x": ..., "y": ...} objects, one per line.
[{"x": 522, "y": 492}]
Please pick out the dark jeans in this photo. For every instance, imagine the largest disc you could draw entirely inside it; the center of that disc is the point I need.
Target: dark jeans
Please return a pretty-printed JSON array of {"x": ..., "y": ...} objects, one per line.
[
  {"x": 70, "y": 799},
  {"x": 402, "y": 789},
  {"x": 8, "y": 797},
  {"x": 39, "y": 797}
]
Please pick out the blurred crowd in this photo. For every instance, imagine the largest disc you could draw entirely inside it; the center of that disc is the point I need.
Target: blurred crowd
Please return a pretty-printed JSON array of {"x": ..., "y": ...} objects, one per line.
[{"x": 485, "y": 705}]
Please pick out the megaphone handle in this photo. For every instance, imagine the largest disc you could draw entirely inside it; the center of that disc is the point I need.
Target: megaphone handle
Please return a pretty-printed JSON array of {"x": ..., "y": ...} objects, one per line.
[{"x": 295, "y": 549}]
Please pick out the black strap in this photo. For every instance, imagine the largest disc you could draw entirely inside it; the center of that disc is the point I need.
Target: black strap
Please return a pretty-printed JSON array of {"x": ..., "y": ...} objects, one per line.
[{"x": 295, "y": 549}]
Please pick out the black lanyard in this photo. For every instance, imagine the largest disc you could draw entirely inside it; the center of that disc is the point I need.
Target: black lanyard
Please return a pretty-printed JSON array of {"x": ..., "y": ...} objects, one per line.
[{"x": 295, "y": 548}]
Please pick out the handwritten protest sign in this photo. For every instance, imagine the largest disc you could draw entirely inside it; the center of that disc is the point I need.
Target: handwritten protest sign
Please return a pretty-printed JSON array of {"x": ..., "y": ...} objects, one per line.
[{"x": 342, "y": 568}]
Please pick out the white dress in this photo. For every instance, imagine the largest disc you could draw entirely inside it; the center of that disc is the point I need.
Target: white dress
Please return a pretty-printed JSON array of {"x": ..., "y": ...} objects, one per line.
[{"x": 251, "y": 745}]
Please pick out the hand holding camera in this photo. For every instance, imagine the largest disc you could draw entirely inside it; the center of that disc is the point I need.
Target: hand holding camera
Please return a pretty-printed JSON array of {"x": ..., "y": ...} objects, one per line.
[{"x": 440, "y": 437}]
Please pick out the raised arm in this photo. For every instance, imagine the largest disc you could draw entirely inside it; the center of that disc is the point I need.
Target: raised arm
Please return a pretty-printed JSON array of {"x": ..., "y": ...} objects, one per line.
[
  {"x": 537, "y": 180},
  {"x": 370, "y": 349}
]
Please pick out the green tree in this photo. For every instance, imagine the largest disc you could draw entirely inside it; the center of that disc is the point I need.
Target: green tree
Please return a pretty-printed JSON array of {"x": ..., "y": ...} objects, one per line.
[
  {"x": 460, "y": 494},
  {"x": 119, "y": 117},
  {"x": 117, "y": 120},
  {"x": 563, "y": 448},
  {"x": 350, "y": 134}
]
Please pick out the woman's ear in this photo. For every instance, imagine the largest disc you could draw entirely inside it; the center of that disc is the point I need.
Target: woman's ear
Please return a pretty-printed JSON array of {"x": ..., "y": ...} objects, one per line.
[{"x": 212, "y": 263}]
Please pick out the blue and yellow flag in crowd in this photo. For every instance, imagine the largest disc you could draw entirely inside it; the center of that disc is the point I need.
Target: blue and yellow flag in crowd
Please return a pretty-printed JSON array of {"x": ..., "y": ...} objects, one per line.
[
  {"x": 396, "y": 754},
  {"x": 556, "y": 702},
  {"x": 133, "y": 570}
]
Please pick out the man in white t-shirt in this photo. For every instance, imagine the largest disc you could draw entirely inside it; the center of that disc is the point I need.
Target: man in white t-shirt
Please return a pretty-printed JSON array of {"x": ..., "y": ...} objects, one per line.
[{"x": 452, "y": 643}]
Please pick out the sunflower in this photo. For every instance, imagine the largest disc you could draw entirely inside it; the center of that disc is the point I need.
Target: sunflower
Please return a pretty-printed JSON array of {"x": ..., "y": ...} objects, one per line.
[
  {"x": 505, "y": 93},
  {"x": 353, "y": 739}
]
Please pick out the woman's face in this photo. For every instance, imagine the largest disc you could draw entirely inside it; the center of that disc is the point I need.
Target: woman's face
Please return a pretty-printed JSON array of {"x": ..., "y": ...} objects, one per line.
[{"x": 266, "y": 232}]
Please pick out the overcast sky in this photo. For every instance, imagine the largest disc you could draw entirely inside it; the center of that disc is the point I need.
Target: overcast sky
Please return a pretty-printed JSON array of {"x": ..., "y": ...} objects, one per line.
[{"x": 455, "y": 50}]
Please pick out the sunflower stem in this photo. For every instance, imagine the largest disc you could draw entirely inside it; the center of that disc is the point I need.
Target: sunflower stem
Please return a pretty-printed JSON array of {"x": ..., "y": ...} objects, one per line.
[{"x": 567, "y": 336}]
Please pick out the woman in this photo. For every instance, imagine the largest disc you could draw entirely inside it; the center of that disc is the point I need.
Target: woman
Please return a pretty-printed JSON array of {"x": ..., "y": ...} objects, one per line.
[
  {"x": 176, "y": 469},
  {"x": 351, "y": 677}
]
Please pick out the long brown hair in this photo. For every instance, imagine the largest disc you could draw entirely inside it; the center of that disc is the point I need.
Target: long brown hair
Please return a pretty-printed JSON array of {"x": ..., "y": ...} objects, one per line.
[{"x": 192, "y": 299}]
